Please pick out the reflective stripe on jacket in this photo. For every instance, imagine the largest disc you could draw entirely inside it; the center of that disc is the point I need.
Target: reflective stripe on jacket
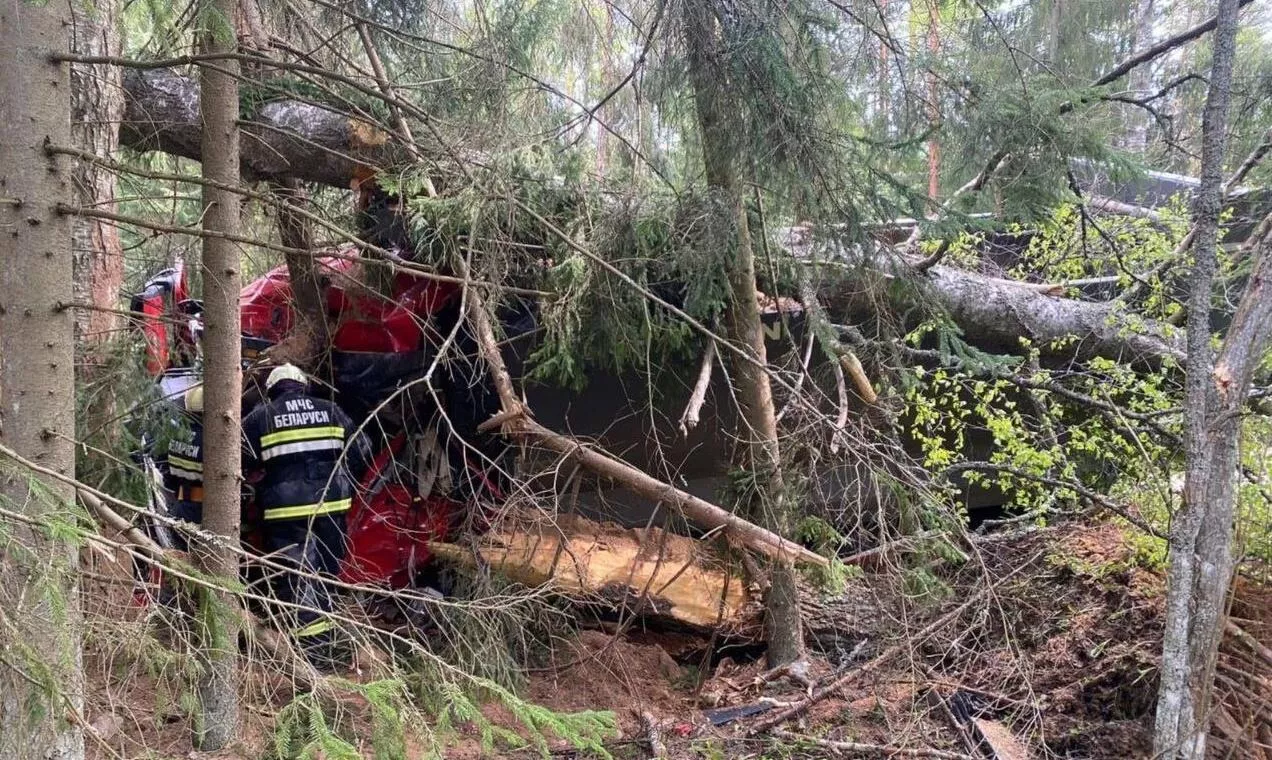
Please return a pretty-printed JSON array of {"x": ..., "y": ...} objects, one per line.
[
  {"x": 302, "y": 445},
  {"x": 185, "y": 454}
]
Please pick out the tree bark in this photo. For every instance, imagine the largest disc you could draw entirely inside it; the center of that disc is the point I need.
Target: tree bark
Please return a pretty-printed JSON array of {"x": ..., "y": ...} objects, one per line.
[
  {"x": 1140, "y": 120},
  {"x": 1055, "y": 15},
  {"x": 219, "y": 105},
  {"x": 41, "y": 675},
  {"x": 884, "y": 77},
  {"x": 283, "y": 138},
  {"x": 1201, "y": 560},
  {"x": 993, "y": 313},
  {"x": 934, "y": 101},
  {"x": 709, "y": 73},
  {"x": 97, "y": 102},
  {"x": 310, "y": 333}
]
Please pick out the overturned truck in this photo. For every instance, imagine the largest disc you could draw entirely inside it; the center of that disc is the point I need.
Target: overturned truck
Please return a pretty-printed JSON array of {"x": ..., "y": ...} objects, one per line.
[{"x": 437, "y": 474}]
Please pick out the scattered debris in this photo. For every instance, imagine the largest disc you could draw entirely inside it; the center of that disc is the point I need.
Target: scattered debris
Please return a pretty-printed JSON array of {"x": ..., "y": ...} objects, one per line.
[
  {"x": 652, "y": 734},
  {"x": 1003, "y": 744},
  {"x": 874, "y": 750},
  {"x": 721, "y": 716}
]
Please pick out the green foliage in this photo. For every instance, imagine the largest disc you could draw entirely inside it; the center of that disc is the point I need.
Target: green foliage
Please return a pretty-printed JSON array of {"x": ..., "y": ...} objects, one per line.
[
  {"x": 498, "y": 628},
  {"x": 818, "y": 535},
  {"x": 455, "y": 705},
  {"x": 709, "y": 749},
  {"x": 323, "y": 724},
  {"x": 1147, "y": 551},
  {"x": 821, "y": 537},
  {"x": 1156, "y": 502},
  {"x": 921, "y": 584},
  {"x": 1033, "y": 421},
  {"x": 303, "y": 732},
  {"x": 1034, "y": 431},
  {"x": 833, "y": 579},
  {"x": 1068, "y": 247},
  {"x": 38, "y": 628},
  {"x": 952, "y": 349},
  {"x": 676, "y": 248},
  {"x": 388, "y": 702},
  {"x": 116, "y": 404}
]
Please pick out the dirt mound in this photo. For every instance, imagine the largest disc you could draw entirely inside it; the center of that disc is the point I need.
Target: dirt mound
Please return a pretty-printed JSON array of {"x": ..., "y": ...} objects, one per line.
[
  {"x": 1068, "y": 649},
  {"x": 629, "y": 675},
  {"x": 1068, "y": 652}
]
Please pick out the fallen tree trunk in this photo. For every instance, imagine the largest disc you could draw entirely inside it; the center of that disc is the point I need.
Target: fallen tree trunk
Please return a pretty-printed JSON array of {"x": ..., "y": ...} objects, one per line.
[
  {"x": 515, "y": 422},
  {"x": 293, "y": 139},
  {"x": 1001, "y": 312},
  {"x": 282, "y": 139},
  {"x": 991, "y": 312},
  {"x": 666, "y": 579},
  {"x": 649, "y": 572}
]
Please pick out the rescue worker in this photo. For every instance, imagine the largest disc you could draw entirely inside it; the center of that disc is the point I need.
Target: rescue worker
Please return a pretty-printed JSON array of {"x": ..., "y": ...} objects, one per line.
[
  {"x": 303, "y": 447},
  {"x": 184, "y": 472}
]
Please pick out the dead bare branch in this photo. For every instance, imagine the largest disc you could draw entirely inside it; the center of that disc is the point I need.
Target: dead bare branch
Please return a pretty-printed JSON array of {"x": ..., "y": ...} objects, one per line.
[
  {"x": 873, "y": 750},
  {"x": 693, "y": 409}
]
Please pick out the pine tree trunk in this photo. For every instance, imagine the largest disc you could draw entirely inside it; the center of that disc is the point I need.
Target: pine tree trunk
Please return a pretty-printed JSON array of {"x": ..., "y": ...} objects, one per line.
[
  {"x": 41, "y": 679},
  {"x": 884, "y": 74},
  {"x": 1054, "y": 26},
  {"x": 219, "y": 105},
  {"x": 97, "y": 99},
  {"x": 720, "y": 148},
  {"x": 97, "y": 107},
  {"x": 1201, "y": 559}
]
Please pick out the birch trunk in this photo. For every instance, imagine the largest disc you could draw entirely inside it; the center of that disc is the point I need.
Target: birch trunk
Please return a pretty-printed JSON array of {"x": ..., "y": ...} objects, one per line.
[{"x": 41, "y": 680}]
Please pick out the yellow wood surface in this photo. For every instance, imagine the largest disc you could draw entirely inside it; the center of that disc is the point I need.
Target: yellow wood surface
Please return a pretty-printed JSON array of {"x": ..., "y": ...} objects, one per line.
[{"x": 658, "y": 572}]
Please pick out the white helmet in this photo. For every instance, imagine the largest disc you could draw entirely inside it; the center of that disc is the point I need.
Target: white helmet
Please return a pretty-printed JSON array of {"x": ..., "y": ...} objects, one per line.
[
  {"x": 194, "y": 400},
  {"x": 285, "y": 372}
]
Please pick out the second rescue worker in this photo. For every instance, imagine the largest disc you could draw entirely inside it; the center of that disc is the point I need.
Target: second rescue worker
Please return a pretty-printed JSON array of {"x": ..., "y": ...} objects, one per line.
[{"x": 297, "y": 442}]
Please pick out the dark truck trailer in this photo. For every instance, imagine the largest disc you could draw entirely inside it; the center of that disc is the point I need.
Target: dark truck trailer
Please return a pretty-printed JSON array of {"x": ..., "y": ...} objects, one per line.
[{"x": 433, "y": 470}]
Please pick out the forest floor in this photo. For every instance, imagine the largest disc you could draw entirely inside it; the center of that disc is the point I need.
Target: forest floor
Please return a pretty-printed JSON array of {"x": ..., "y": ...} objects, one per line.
[{"x": 1057, "y": 657}]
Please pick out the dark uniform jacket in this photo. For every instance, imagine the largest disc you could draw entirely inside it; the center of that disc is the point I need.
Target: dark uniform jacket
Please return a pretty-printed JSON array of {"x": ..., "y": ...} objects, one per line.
[
  {"x": 184, "y": 473},
  {"x": 306, "y": 448}
]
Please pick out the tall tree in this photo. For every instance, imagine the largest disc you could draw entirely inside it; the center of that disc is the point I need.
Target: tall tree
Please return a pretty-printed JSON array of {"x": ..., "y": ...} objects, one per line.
[
  {"x": 41, "y": 675},
  {"x": 223, "y": 382},
  {"x": 97, "y": 99},
  {"x": 721, "y": 148},
  {"x": 1201, "y": 555}
]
